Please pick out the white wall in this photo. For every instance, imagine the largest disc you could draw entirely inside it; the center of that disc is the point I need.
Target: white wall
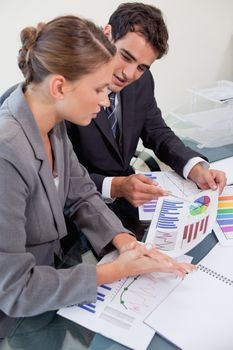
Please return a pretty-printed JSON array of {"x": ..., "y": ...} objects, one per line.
[{"x": 201, "y": 39}]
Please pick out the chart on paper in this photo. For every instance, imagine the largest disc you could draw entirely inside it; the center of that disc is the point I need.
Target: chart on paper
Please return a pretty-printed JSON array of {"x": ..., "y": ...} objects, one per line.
[
  {"x": 169, "y": 181},
  {"x": 122, "y": 306},
  {"x": 224, "y": 227},
  {"x": 177, "y": 226}
]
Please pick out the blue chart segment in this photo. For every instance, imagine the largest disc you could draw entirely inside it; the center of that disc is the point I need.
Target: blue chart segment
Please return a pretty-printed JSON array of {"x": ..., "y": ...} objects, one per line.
[
  {"x": 151, "y": 176},
  {"x": 150, "y": 207},
  {"x": 100, "y": 297},
  {"x": 169, "y": 215}
]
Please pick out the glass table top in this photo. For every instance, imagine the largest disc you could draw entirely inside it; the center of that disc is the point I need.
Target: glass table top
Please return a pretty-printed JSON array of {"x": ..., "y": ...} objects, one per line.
[{"x": 53, "y": 332}]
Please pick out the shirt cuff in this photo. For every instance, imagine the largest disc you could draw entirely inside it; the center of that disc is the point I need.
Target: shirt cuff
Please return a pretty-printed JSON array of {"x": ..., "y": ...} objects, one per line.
[
  {"x": 106, "y": 190},
  {"x": 191, "y": 163}
]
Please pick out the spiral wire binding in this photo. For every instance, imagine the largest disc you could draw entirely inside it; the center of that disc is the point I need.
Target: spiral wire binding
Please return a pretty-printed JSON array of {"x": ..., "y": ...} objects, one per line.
[{"x": 216, "y": 275}]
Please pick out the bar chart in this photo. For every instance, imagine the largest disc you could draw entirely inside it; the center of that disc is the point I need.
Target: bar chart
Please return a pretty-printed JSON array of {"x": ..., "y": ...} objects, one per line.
[
  {"x": 193, "y": 231},
  {"x": 169, "y": 215},
  {"x": 225, "y": 215},
  {"x": 178, "y": 225}
]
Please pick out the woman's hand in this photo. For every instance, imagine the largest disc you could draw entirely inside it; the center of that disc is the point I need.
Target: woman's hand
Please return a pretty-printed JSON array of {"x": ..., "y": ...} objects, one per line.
[
  {"x": 136, "y": 259},
  {"x": 161, "y": 262}
]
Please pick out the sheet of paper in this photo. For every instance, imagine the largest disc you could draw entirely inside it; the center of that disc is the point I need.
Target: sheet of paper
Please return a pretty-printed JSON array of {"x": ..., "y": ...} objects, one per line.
[
  {"x": 122, "y": 306},
  {"x": 224, "y": 225},
  {"x": 178, "y": 226},
  {"x": 225, "y": 165},
  {"x": 170, "y": 181},
  {"x": 198, "y": 313}
]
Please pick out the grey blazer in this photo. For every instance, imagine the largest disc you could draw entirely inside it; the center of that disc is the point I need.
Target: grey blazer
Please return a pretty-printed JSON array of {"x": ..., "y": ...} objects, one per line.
[{"x": 32, "y": 221}]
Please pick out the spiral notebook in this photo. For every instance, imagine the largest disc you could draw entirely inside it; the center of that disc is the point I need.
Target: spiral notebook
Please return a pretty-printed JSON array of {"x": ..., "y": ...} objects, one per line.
[{"x": 198, "y": 314}]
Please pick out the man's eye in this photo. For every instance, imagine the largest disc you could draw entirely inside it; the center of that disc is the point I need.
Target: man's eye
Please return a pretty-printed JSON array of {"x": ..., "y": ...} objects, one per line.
[
  {"x": 142, "y": 68},
  {"x": 126, "y": 58}
]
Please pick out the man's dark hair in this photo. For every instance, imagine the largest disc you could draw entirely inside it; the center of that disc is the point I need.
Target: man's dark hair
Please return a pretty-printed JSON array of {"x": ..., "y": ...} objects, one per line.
[{"x": 144, "y": 19}]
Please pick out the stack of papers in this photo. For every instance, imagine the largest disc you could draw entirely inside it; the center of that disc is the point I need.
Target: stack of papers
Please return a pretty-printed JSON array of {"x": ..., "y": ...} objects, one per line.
[
  {"x": 122, "y": 306},
  {"x": 198, "y": 313}
]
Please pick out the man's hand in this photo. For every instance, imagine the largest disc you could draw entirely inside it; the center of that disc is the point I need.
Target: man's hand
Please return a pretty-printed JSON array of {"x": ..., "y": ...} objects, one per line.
[
  {"x": 208, "y": 178},
  {"x": 136, "y": 188}
]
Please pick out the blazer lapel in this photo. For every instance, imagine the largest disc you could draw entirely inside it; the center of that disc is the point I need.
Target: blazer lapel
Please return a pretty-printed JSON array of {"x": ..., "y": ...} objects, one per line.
[
  {"x": 53, "y": 197},
  {"x": 24, "y": 117}
]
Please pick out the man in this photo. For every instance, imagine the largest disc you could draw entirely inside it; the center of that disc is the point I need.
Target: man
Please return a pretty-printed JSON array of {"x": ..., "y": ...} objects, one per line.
[{"x": 140, "y": 35}]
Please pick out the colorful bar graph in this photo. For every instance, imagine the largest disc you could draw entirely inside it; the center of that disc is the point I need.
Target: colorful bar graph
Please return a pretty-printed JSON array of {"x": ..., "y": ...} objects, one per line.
[{"x": 225, "y": 215}]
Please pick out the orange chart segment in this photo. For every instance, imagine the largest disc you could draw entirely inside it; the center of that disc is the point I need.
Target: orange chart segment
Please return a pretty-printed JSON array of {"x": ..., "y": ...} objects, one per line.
[{"x": 199, "y": 206}]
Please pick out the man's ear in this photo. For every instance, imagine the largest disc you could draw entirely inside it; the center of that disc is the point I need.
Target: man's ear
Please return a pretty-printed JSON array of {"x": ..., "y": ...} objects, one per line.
[
  {"x": 107, "y": 30},
  {"x": 57, "y": 86}
]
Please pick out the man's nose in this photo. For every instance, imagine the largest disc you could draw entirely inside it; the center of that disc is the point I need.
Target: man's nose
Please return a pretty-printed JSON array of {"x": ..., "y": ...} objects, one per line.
[{"x": 129, "y": 73}]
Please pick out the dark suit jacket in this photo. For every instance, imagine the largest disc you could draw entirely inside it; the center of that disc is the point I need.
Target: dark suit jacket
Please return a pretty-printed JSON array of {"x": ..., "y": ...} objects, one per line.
[{"x": 96, "y": 147}]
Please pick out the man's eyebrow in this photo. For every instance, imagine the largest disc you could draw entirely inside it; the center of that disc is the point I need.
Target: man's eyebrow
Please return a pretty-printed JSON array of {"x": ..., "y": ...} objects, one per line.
[{"x": 126, "y": 52}]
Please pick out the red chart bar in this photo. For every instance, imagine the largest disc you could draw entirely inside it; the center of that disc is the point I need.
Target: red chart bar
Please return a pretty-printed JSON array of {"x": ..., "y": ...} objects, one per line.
[
  {"x": 196, "y": 230},
  {"x": 185, "y": 232},
  {"x": 190, "y": 233},
  {"x": 206, "y": 223},
  {"x": 202, "y": 224}
]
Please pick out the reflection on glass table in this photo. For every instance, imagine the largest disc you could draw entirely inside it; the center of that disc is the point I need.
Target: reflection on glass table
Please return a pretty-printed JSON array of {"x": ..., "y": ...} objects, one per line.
[{"x": 53, "y": 332}]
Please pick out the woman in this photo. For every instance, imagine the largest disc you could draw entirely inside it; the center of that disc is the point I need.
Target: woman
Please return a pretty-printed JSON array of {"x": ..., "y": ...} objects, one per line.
[{"x": 67, "y": 64}]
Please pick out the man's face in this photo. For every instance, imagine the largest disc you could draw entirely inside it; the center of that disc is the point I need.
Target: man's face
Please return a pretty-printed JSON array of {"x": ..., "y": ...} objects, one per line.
[{"x": 134, "y": 56}]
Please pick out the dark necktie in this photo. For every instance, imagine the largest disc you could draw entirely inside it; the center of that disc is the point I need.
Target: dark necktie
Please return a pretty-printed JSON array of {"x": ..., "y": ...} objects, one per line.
[{"x": 112, "y": 119}]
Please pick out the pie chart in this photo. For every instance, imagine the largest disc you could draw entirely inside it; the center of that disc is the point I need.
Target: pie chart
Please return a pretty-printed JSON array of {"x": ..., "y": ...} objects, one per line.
[{"x": 199, "y": 206}]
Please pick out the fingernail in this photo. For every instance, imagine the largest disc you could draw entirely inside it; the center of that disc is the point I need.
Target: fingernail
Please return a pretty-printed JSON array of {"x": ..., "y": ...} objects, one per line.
[{"x": 149, "y": 246}]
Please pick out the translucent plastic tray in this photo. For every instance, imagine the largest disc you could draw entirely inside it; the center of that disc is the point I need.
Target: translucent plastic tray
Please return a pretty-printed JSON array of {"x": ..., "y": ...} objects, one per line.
[{"x": 220, "y": 91}]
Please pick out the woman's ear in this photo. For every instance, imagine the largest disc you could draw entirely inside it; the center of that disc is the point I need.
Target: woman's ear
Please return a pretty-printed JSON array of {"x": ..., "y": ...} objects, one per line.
[
  {"x": 107, "y": 30},
  {"x": 57, "y": 86}
]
